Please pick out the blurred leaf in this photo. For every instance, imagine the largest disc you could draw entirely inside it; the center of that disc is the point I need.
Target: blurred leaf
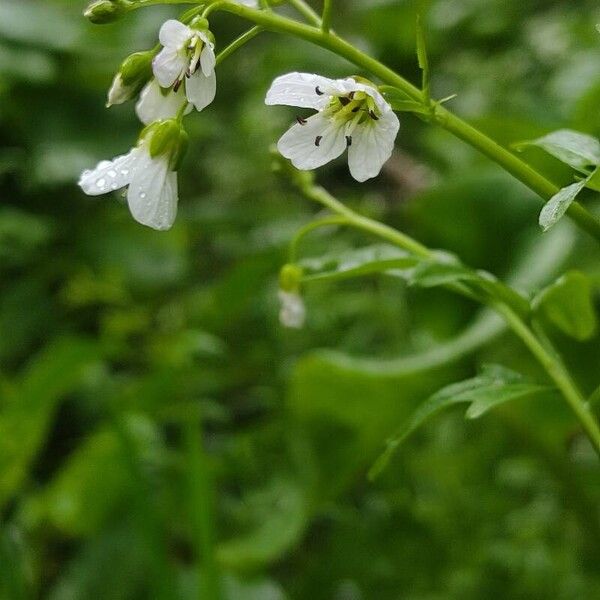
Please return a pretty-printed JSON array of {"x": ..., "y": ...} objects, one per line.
[
  {"x": 94, "y": 480},
  {"x": 567, "y": 303},
  {"x": 26, "y": 416},
  {"x": 279, "y": 517},
  {"x": 558, "y": 205},
  {"x": 576, "y": 149},
  {"x": 593, "y": 181},
  {"x": 495, "y": 385}
]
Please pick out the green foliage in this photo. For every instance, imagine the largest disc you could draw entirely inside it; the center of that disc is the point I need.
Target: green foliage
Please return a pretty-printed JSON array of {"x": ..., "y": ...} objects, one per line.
[
  {"x": 114, "y": 339},
  {"x": 568, "y": 304}
]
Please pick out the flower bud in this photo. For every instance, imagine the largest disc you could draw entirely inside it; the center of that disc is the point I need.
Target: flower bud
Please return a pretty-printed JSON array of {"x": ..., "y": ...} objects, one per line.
[
  {"x": 134, "y": 73},
  {"x": 290, "y": 278},
  {"x": 293, "y": 311},
  {"x": 105, "y": 11}
]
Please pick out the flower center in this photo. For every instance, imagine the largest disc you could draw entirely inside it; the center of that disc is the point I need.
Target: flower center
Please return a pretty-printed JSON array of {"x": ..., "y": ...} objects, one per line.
[
  {"x": 192, "y": 50},
  {"x": 355, "y": 107}
]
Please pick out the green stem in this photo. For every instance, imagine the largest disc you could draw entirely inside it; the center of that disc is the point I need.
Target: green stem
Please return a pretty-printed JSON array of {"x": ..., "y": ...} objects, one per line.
[
  {"x": 306, "y": 11},
  {"x": 201, "y": 510},
  {"x": 549, "y": 361},
  {"x": 510, "y": 162},
  {"x": 238, "y": 43},
  {"x": 326, "y": 18},
  {"x": 309, "y": 227},
  {"x": 557, "y": 373}
]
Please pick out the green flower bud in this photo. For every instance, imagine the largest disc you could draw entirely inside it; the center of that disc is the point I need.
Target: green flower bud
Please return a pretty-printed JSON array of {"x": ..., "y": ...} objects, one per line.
[
  {"x": 290, "y": 278},
  {"x": 106, "y": 11},
  {"x": 136, "y": 69}
]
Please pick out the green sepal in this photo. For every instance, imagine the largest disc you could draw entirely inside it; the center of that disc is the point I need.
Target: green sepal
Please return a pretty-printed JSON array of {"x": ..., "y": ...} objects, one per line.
[
  {"x": 165, "y": 138},
  {"x": 101, "y": 12},
  {"x": 136, "y": 69}
]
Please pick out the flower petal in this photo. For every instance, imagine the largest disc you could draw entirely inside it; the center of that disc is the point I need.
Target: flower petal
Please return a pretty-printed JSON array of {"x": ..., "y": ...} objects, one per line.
[
  {"x": 201, "y": 90},
  {"x": 109, "y": 175},
  {"x": 119, "y": 92},
  {"x": 299, "y": 89},
  {"x": 154, "y": 104},
  {"x": 250, "y": 3},
  {"x": 174, "y": 34},
  {"x": 207, "y": 58},
  {"x": 152, "y": 194},
  {"x": 314, "y": 143},
  {"x": 372, "y": 145},
  {"x": 168, "y": 66}
]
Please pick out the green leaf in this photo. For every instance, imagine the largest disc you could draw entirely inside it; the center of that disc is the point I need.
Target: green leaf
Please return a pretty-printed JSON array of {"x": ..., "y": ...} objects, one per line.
[
  {"x": 400, "y": 102},
  {"x": 26, "y": 416},
  {"x": 558, "y": 205},
  {"x": 568, "y": 304},
  {"x": 577, "y": 150},
  {"x": 593, "y": 181},
  {"x": 353, "y": 263},
  {"x": 494, "y": 386}
]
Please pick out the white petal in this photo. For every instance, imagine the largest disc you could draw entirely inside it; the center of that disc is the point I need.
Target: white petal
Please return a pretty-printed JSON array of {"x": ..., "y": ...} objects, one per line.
[
  {"x": 109, "y": 175},
  {"x": 299, "y": 89},
  {"x": 293, "y": 310},
  {"x": 168, "y": 66},
  {"x": 207, "y": 58},
  {"x": 152, "y": 194},
  {"x": 372, "y": 145},
  {"x": 250, "y": 3},
  {"x": 155, "y": 105},
  {"x": 119, "y": 92},
  {"x": 201, "y": 90},
  {"x": 300, "y": 144},
  {"x": 174, "y": 34},
  {"x": 380, "y": 101}
]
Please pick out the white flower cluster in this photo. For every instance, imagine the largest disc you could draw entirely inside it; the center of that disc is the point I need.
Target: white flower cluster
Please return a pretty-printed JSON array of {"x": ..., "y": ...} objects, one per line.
[{"x": 351, "y": 114}]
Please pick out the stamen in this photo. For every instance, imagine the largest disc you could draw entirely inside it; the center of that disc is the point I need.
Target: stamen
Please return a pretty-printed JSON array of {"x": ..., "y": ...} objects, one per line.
[
  {"x": 351, "y": 95},
  {"x": 344, "y": 101},
  {"x": 318, "y": 140},
  {"x": 356, "y": 109},
  {"x": 301, "y": 121},
  {"x": 348, "y": 141},
  {"x": 318, "y": 91},
  {"x": 177, "y": 85},
  {"x": 373, "y": 116}
]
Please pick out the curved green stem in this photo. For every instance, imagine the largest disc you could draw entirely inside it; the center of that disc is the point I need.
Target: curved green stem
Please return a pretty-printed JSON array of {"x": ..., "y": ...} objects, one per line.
[
  {"x": 309, "y": 227},
  {"x": 443, "y": 117},
  {"x": 326, "y": 18},
  {"x": 238, "y": 43}
]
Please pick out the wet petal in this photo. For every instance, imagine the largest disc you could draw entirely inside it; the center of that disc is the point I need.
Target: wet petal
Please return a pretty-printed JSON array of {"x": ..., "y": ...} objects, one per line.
[
  {"x": 299, "y": 89},
  {"x": 372, "y": 145},
  {"x": 201, "y": 90},
  {"x": 314, "y": 143},
  {"x": 207, "y": 58},
  {"x": 152, "y": 194},
  {"x": 155, "y": 105},
  {"x": 174, "y": 34},
  {"x": 109, "y": 175},
  {"x": 168, "y": 66}
]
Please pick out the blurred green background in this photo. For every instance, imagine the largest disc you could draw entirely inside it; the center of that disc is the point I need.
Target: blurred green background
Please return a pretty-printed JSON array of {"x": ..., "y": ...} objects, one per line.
[{"x": 159, "y": 430}]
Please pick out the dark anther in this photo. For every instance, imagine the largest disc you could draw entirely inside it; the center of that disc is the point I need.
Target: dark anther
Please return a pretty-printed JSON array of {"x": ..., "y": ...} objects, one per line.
[
  {"x": 318, "y": 140},
  {"x": 318, "y": 91},
  {"x": 344, "y": 101},
  {"x": 373, "y": 116},
  {"x": 356, "y": 109},
  {"x": 301, "y": 121},
  {"x": 177, "y": 85},
  {"x": 349, "y": 140},
  {"x": 351, "y": 95}
]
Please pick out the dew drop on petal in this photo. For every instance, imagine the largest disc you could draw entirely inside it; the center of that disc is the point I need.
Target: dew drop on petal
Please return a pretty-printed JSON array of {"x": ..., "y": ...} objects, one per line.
[
  {"x": 112, "y": 174},
  {"x": 101, "y": 182}
]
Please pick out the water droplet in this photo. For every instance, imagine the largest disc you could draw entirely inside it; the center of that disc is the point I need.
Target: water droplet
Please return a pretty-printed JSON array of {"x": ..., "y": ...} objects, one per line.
[
  {"x": 112, "y": 173},
  {"x": 124, "y": 171},
  {"x": 142, "y": 195},
  {"x": 101, "y": 182}
]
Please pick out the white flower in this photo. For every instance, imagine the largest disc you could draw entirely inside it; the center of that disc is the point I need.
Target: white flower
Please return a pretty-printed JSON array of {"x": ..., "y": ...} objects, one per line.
[
  {"x": 156, "y": 103},
  {"x": 119, "y": 92},
  {"x": 187, "y": 56},
  {"x": 149, "y": 176},
  {"x": 350, "y": 115},
  {"x": 293, "y": 311}
]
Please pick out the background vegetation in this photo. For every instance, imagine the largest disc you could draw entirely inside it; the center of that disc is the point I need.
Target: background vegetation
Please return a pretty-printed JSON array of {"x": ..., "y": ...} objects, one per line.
[{"x": 160, "y": 431}]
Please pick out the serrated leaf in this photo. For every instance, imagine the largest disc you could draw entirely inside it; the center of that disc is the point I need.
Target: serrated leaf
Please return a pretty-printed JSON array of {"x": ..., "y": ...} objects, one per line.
[
  {"x": 576, "y": 149},
  {"x": 567, "y": 303},
  {"x": 558, "y": 205},
  {"x": 494, "y": 386}
]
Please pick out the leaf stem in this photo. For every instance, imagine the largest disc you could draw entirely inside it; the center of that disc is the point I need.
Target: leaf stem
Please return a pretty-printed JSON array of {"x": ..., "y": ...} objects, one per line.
[{"x": 326, "y": 16}]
